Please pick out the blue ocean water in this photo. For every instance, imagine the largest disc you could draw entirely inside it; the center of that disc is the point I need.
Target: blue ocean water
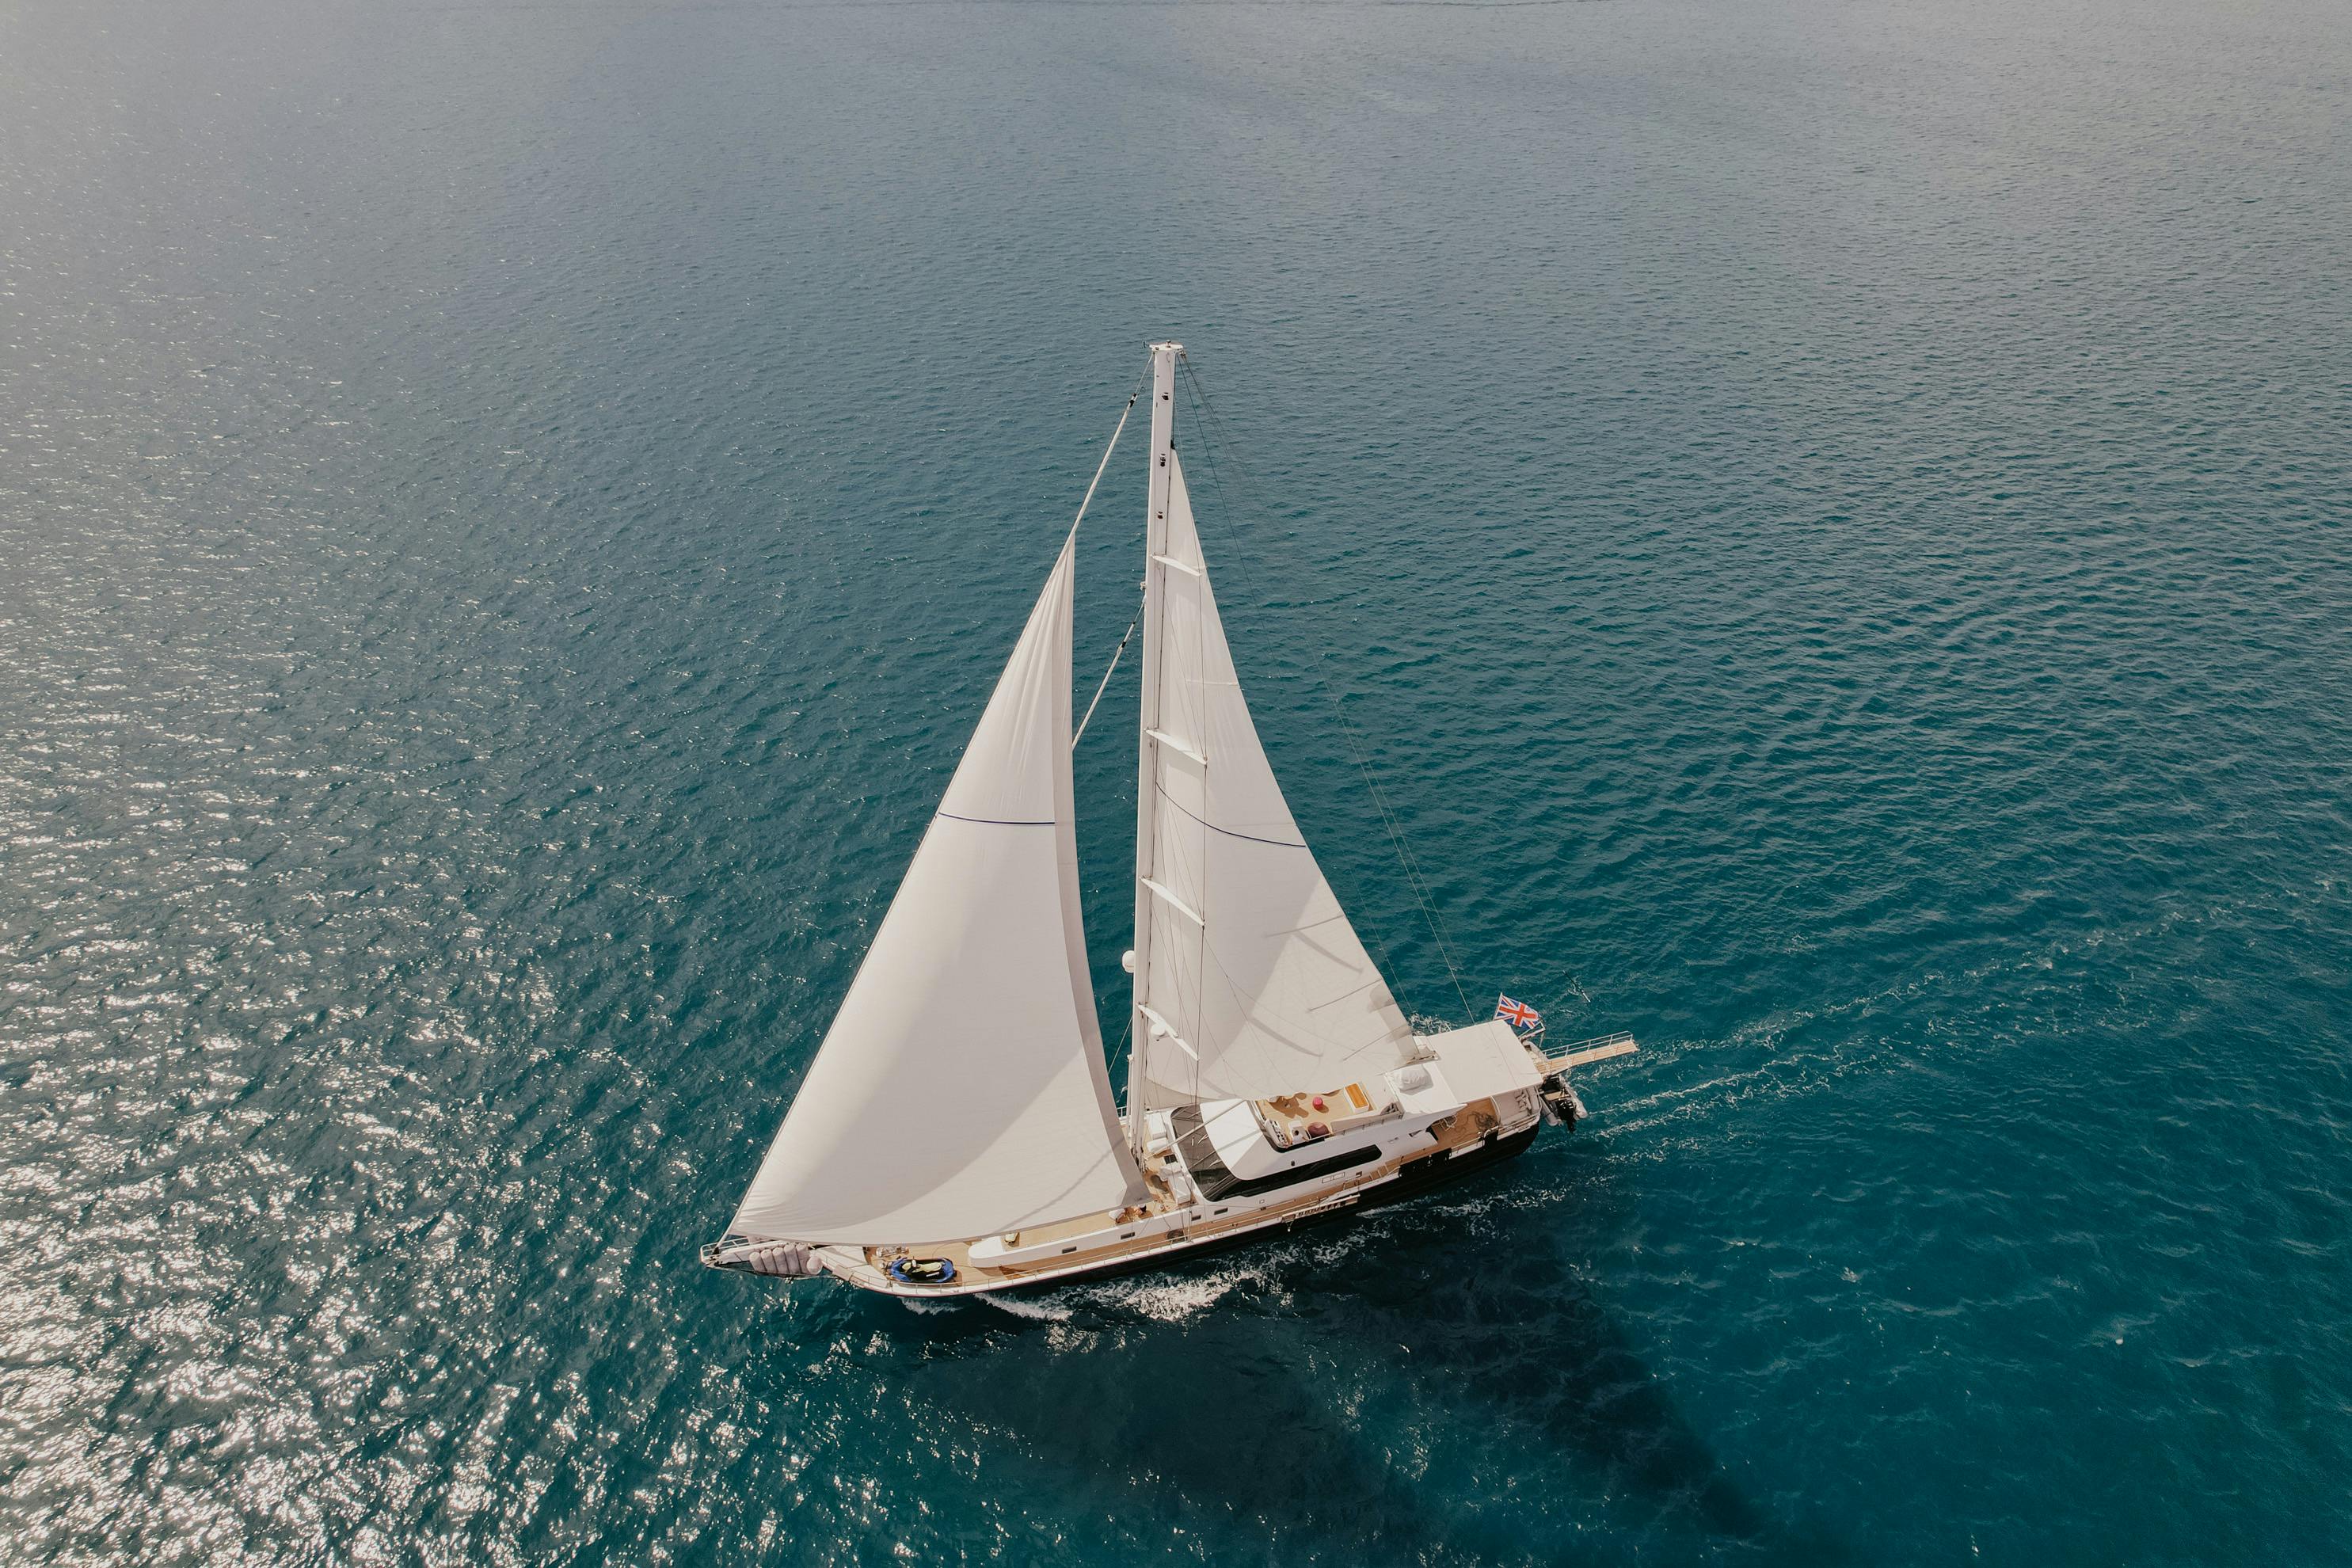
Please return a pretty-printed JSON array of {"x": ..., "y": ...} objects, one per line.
[{"x": 1830, "y": 522}]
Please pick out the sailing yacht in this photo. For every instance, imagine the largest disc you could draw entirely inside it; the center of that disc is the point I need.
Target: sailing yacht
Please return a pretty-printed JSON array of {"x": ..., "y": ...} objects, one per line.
[{"x": 956, "y": 1132}]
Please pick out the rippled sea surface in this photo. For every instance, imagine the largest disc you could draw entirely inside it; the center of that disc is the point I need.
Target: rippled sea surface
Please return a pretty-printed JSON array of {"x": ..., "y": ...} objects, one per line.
[{"x": 1829, "y": 520}]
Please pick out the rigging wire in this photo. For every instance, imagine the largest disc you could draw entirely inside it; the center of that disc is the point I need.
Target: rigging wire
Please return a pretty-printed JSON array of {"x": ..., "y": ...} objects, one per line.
[
  {"x": 1119, "y": 1049},
  {"x": 1084, "y": 502},
  {"x": 1215, "y": 425},
  {"x": 1088, "y": 499},
  {"x": 1105, "y": 684}
]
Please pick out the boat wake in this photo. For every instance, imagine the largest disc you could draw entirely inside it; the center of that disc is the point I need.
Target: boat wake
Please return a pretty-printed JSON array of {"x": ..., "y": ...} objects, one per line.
[
  {"x": 1802, "y": 1050},
  {"x": 1171, "y": 1300},
  {"x": 1034, "y": 1311}
]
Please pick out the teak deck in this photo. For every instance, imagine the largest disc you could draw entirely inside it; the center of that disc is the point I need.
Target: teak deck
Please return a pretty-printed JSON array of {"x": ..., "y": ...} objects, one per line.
[{"x": 1464, "y": 1129}]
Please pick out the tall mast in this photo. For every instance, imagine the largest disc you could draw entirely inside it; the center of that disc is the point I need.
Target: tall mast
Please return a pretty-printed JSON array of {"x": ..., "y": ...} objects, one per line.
[{"x": 1146, "y": 785}]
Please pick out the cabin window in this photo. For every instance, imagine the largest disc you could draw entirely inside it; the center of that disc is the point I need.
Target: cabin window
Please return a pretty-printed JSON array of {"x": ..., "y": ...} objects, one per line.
[{"x": 1214, "y": 1181}]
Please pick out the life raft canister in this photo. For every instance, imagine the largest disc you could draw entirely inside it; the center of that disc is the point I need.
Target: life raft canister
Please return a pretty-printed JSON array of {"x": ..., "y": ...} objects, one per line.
[{"x": 922, "y": 1270}]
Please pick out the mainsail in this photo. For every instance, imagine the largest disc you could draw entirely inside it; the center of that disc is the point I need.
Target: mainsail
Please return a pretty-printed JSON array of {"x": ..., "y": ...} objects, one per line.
[
  {"x": 961, "y": 1090},
  {"x": 1249, "y": 981}
]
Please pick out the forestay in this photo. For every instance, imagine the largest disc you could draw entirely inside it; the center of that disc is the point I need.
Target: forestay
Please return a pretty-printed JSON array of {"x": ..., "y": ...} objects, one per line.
[
  {"x": 1250, "y": 980},
  {"x": 961, "y": 1090}
]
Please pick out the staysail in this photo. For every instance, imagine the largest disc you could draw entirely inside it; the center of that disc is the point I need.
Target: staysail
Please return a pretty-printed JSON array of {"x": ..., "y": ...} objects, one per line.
[
  {"x": 1249, "y": 980},
  {"x": 961, "y": 1090}
]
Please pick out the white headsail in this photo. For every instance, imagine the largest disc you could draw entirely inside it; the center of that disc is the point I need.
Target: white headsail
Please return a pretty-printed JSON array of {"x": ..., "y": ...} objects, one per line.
[
  {"x": 1250, "y": 982},
  {"x": 961, "y": 1090}
]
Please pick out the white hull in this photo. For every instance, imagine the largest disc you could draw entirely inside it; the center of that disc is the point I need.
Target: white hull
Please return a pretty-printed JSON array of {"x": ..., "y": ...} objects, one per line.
[{"x": 1198, "y": 1202}]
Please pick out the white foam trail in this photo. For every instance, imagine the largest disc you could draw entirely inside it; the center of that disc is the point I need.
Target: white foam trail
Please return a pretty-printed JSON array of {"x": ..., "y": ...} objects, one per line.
[
  {"x": 1172, "y": 1301},
  {"x": 1035, "y": 1312}
]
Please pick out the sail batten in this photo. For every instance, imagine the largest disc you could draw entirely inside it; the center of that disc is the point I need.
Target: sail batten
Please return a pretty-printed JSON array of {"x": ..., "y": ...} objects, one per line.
[
  {"x": 961, "y": 1090},
  {"x": 1267, "y": 986}
]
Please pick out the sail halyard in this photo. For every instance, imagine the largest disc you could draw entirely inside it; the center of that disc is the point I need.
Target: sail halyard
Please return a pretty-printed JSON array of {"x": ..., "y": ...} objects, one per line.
[
  {"x": 1250, "y": 982},
  {"x": 961, "y": 1090}
]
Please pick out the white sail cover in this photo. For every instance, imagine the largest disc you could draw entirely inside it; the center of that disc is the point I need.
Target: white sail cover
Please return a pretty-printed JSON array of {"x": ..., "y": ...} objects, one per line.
[
  {"x": 1253, "y": 984},
  {"x": 961, "y": 1091}
]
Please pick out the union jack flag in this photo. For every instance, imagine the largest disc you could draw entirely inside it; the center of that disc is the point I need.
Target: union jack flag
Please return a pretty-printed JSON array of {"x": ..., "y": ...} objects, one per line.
[{"x": 1518, "y": 1014}]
